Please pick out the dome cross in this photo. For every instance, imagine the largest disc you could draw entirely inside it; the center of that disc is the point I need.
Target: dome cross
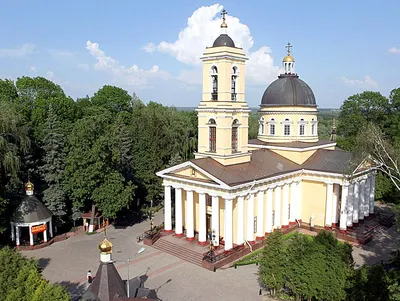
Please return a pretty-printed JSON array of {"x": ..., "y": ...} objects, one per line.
[
  {"x": 223, "y": 13},
  {"x": 288, "y": 47}
]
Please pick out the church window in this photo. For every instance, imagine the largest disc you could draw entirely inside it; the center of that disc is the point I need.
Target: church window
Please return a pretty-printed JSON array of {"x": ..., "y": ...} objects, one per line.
[
  {"x": 286, "y": 127},
  {"x": 271, "y": 127},
  {"x": 302, "y": 127},
  {"x": 234, "y": 83},
  {"x": 212, "y": 135},
  {"x": 235, "y": 126},
  {"x": 214, "y": 80},
  {"x": 261, "y": 127},
  {"x": 313, "y": 127}
]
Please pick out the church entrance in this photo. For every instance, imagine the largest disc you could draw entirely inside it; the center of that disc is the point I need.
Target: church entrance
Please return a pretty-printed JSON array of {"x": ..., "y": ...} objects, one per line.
[{"x": 208, "y": 225}]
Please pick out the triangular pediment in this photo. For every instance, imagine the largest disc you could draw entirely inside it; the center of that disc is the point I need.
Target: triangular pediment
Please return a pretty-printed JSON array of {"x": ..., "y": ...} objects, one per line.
[
  {"x": 191, "y": 172},
  {"x": 366, "y": 164}
]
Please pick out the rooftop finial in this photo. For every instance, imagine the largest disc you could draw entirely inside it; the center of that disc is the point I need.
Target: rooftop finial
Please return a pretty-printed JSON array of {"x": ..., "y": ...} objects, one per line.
[
  {"x": 333, "y": 132},
  {"x": 288, "y": 47},
  {"x": 223, "y": 14}
]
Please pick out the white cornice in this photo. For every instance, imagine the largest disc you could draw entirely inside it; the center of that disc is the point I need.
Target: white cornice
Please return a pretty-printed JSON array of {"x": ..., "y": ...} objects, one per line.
[
  {"x": 213, "y": 110},
  {"x": 293, "y": 149}
]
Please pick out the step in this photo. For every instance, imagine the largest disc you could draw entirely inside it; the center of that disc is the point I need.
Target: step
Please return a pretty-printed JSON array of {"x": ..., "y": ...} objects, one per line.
[
  {"x": 175, "y": 247},
  {"x": 179, "y": 251}
]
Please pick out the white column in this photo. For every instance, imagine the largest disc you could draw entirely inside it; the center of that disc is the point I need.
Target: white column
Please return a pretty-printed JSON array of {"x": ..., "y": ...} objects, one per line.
[
  {"x": 30, "y": 235},
  {"x": 260, "y": 215},
  {"x": 350, "y": 205},
  {"x": 45, "y": 234},
  {"x": 17, "y": 235},
  {"x": 335, "y": 201},
  {"x": 362, "y": 200},
  {"x": 215, "y": 219},
  {"x": 202, "y": 219},
  {"x": 12, "y": 231},
  {"x": 366, "y": 196},
  {"x": 189, "y": 215},
  {"x": 293, "y": 203},
  {"x": 240, "y": 220},
  {"x": 51, "y": 227},
  {"x": 299, "y": 200},
  {"x": 372, "y": 195},
  {"x": 178, "y": 212},
  {"x": 285, "y": 206},
  {"x": 278, "y": 195},
  {"x": 356, "y": 203},
  {"x": 228, "y": 225},
  {"x": 343, "y": 207},
  {"x": 167, "y": 209},
  {"x": 269, "y": 211},
  {"x": 328, "y": 208},
  {"x": 250, "y": 218}
]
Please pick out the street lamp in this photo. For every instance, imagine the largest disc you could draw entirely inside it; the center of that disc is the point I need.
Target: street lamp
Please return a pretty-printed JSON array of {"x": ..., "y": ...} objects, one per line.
[{"x": 141, "y": 250}]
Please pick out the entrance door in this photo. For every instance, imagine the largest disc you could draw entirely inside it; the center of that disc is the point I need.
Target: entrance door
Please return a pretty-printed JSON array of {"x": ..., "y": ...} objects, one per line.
[{"x": 208, "y": 225}]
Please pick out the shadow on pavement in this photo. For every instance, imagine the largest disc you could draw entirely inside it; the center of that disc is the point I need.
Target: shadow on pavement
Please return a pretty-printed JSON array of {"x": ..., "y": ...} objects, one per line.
[
  {"x": 76, "y": 289},
  {"x": 138, "y": 289}
]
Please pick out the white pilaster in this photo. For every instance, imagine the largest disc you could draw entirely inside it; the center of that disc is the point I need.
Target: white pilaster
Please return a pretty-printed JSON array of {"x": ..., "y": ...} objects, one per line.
[
  {"x": 202, "y": 218},
  {"x": 30, "y": 235},
  {"x": 356, "y": 203},
  {"x": 45, "y": 234},
  {"x": 278, "y": 195},
  {"x": 167, "y": 209},
  {"x": 189, "y": 215},
  {"x": 285, "y": 206},
  {"x": 335, "y": 201},
  {"x": 328, "y": 206},
  {"x": 372, "y": 195},
  {"x": 260, "y": 215},
  {"x": 343, "y": 207},
  {"x": 51, "y": 227},
  {"x": 17, "y": 235},
  {"x": 12, "y": 231},
  {"x": 366, "y": 196},
  {"x": 293, "y": 203},
  {"x": 350, "y": 205},
  {"x": 240, "y": 220},
  {"x": 250, "y": 218},
  {"x": 215, "y": 219},
  {"x": 178, "y": 212},
  {"x": 299, "y": 200},
  {"x": 228, "y": 225},
  {"x": 269, "y": 211},
  {"x": 362, "y": 200}
]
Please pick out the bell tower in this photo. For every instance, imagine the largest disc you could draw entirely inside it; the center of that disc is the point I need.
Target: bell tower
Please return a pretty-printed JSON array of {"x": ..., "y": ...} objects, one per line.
[{"x": 223, "y": 112}]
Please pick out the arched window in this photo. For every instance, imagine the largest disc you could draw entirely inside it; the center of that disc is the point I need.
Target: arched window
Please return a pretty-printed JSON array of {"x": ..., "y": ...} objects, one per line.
[
  {"x": 313, "y": 126},
  {"x": 234, "y": 83},
  {"x": 302, "y": 127},
  {"x": 214, "y": 80},
  {"x": 235, "y": 126},
  {"x": 271, "y": 127},
  {"x": 212, "y": 135},
  {"x": 286, "y": 127},
  {"x": 261, "y": 126}
]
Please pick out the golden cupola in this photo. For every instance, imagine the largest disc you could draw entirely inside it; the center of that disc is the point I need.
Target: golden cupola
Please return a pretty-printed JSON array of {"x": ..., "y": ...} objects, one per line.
[
  {"x": 29, "y": 187},
  {"x": 106, "y": 246}
]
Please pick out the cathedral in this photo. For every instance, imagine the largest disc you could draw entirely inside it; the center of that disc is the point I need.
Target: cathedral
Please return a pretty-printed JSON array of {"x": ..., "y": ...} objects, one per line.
[{"x": 237, "y": 190}]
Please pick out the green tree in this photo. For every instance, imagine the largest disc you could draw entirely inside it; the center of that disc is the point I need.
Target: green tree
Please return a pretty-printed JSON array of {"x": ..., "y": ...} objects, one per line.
[
  {"x": 273, "y": 262},
  {"x": 113, "y": 99},
  {"x": 8, "y": 91},
  {"x": 21, "y": 280},
  {"x": 54, "y": 165}
]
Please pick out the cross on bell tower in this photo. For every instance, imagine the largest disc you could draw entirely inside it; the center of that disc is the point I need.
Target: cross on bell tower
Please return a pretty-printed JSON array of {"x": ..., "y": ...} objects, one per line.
[
  {"x": 288, "y": 61},
  {"x": 288, "y": 47}
]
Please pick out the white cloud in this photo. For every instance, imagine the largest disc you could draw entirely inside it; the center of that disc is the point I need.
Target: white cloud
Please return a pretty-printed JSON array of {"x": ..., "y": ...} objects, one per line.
[
  {"x": 32, "y": 68},
  {"x": 133, "y": 76},
  {"x": 394, "y": 50},
  {"x": 83, "y": 66},
  {"x": 202, "y": 28},
  {"x": 20, "y": 52},
  {"x": 50, "y": 75},
  {"x": 57, "y": 53},
  {"x": 366, "y": 82}
]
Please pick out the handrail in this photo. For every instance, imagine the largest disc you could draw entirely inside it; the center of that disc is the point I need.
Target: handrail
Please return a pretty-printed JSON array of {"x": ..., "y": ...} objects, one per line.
[{"x": 251, "y": 248}]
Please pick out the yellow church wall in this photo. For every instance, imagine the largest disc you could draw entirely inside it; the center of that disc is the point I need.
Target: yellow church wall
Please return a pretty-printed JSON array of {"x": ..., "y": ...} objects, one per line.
[
  {"x": 188, "y": 173},
  {"x": 196, "y": 211},
  {"x": 184, "y": 198},
  {"x": 297, "y": 157},
  {"x": 221, "y": 216},
  {"x": 234, "y": 220},
  {"x": 313, "y": 202}
]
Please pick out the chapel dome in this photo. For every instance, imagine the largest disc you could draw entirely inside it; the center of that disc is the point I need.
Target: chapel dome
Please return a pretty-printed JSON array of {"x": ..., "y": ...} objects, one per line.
[
  {"x": 224, "y": 40},
  {"x": 106, "y": 246},
  {"x": 288, "y": 90}
]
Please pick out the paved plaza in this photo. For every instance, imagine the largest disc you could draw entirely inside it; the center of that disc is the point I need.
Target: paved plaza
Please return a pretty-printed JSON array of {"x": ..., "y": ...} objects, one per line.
[{"x": 68, "y": 261}]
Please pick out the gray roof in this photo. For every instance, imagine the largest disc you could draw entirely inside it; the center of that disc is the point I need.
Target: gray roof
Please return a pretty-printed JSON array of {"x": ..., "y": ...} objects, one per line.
[
  {"x": 31, "y": 210},
  {"x": 334, "y": 161},
  {"x": 107, "y": 285},
  {"x": 288, "y": 90},
  {"x": 224, "y": 40}
]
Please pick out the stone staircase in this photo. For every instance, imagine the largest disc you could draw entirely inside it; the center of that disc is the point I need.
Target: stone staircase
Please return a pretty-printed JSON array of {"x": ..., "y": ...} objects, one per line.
[{"x": 179, "y": 251}]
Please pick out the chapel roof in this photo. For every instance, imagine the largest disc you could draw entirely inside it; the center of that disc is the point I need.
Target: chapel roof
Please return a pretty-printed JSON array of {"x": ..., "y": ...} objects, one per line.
[{"x": 30, "y": 210}]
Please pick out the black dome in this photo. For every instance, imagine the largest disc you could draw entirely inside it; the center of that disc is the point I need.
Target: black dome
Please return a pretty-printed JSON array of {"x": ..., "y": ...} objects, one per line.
[
  {"x": 224, "y": 40},
  {"x": 288, "y": 90}
]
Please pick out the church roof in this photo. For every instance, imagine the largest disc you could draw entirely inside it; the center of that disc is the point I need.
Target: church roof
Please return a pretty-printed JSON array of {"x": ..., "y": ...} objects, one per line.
[
  {"x": 31, "y": 210},
  {"x": 223, "y": 40},
  {"x": 107, "y": 285},
  {"x": 335, "y": 161}
]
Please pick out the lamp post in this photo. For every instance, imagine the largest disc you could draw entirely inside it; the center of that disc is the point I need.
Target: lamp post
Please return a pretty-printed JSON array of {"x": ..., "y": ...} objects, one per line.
[{"x": 141, "y": 250}]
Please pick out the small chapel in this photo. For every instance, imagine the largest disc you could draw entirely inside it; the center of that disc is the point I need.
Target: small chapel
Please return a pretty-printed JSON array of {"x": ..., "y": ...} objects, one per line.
[{"x": 240, "y": 190}]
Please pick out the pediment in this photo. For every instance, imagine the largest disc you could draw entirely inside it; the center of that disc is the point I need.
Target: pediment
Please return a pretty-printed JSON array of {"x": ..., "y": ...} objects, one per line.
[{"x": 366, "y": 164}]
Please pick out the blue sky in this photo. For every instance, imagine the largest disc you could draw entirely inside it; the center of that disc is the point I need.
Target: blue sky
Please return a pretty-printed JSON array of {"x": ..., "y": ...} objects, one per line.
[{"x": 152, "y": 47}]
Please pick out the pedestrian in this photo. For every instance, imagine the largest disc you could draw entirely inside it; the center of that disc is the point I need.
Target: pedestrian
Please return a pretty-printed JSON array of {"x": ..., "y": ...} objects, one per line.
[{"x": 89, "y": 277}]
